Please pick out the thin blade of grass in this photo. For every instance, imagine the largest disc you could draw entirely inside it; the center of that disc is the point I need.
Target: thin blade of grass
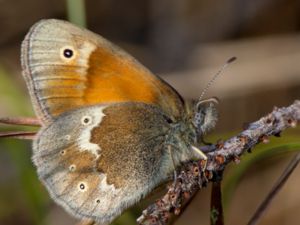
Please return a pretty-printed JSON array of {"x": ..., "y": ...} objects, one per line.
[
  {"x": 233, "y": 177},
  {"x": 86, "y": 222},
  {"x": 274, "y": 191}
]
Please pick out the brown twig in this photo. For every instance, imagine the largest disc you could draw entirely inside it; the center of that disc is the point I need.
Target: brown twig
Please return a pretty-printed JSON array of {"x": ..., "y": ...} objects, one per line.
[
  {"x": 276, "y": 188},
  {"x": 192, "y": 178},
  {"x": 27, "y": 121},
  {"x": 87, "y": 222},
  {"x": 28, "y": 135},
  {"x": 216, "y": 206}
]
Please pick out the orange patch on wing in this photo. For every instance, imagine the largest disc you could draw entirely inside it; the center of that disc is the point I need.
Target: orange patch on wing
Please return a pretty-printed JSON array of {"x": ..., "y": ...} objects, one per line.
[
  {"x": 109, "y": 77},
  {"x": 64, "y": 83},
  {"x": 115, "y": 79}
]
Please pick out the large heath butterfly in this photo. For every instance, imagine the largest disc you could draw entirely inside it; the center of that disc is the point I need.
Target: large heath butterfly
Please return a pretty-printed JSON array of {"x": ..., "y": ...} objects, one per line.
[{"x": 111, "y": 130}]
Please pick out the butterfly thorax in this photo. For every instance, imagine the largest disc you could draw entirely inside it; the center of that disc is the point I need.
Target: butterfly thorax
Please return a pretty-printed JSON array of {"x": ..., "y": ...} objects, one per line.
[{"x": 196, "y": 121}]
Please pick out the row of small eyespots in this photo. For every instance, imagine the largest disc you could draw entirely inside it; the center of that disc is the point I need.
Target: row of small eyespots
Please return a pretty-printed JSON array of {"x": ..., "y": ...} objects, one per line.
[
  {"x": 85, "y": 120},
  {"x": 83, "y": 187}
]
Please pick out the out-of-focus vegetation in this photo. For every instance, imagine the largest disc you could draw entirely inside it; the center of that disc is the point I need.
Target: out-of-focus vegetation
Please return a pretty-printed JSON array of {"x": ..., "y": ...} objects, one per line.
[
  {"x": 21, "y": 192},
  {"x": 76, "y": 12},
  {"x": 187, "y": 41},
  {"x": 276, "y": 148}
]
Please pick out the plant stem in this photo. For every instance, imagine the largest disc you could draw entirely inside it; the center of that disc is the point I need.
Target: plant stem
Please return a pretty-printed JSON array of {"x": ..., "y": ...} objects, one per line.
[
  {"x": 76, "y": 12},
  {"x": 216, "y": 207}
]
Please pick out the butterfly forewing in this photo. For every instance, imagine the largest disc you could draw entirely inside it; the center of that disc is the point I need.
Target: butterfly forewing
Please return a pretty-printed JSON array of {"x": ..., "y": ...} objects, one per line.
[{"x": 67, "y": 67}]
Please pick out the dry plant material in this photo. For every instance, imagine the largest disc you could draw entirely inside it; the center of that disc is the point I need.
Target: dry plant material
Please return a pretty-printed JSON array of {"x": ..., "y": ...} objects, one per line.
[
  {"x": 188, "y": 182},
  {"x": 27, "y": 121},
  {"x": 192, "y": 177}
]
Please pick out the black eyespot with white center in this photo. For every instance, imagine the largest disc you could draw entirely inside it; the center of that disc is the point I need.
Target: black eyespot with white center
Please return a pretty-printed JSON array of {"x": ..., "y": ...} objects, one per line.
[
  {"x": 86, "y": 120},
  {"x": 82, "y": 187},
  {"x": 72, "y": 168},
  {"x": 67, "y": 137},
  {"x": 68, "y": 53}
]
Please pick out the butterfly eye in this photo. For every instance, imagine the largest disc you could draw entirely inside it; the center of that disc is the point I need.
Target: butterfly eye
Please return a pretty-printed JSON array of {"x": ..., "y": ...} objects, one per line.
[
  {"x": 205, "y": 118},
  {"x": 97, "y": 201},
  {"x": 86, "y": 120}
]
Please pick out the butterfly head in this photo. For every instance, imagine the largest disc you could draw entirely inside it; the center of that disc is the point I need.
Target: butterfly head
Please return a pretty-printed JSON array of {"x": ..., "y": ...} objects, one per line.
[{"x": 204, "y": 116}]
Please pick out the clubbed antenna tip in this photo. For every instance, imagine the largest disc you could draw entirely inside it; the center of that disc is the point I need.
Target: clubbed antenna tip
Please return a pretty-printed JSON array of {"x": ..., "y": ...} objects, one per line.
[{"x": 230, "y": 60}]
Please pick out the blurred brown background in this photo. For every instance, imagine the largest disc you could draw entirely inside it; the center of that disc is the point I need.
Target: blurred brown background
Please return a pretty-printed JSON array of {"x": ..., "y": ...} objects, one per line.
[{"x": 185, "y": 42}]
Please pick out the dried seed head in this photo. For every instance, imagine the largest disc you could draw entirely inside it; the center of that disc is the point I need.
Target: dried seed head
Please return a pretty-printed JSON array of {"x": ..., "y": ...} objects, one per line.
[
  {"x": 292, "y": 123},
  {"x": 220, "y": 144},
  {"x": 196, "y": 171},
  {"x": 220, "y": 159},
  {"x": 186, "y": 195},
  {"x": 202, "y": 163},
  {"x": 243, "y": 139},
  {"x": 159, "y": 203},
  {"x": 177, "y": 211},
  {"x": 209, "y": 174},
  {"x": 153, "y": 220},
  {"x": 173, "y": 196},
  {"x": 264, "y": 139},
  {"x": 166, "y": 216},
  {"x": 236, "y": 159},
  {"x": 270, "y": 119}
]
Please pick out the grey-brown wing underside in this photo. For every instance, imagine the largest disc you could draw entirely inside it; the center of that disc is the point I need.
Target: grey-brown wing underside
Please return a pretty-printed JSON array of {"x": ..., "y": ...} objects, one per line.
[{"x": 97, "y": 161}]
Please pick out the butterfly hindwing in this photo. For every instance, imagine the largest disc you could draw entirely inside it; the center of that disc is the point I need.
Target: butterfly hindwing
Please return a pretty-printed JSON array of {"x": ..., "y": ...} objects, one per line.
[{"x": 98, "y": 160}]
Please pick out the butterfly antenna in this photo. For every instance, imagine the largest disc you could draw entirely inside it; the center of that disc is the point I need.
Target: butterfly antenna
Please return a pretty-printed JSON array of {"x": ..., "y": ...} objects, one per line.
[{"x": 232, "y": 59}]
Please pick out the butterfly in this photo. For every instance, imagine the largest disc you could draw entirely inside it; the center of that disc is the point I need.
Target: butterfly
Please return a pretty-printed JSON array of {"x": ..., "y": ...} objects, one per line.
[{"x": 111, "y": 131}]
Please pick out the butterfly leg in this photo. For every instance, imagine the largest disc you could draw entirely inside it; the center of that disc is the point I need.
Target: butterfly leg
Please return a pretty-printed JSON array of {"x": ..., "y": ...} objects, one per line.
[
  {"x": 202, "y": 155},
  {"x": 173, "y": 161},
  {"x": 205, "y": 142}
]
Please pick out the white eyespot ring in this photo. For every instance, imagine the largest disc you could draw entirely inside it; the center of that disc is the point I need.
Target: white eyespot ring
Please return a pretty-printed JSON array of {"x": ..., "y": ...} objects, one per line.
[
  {"x": 68, "y": 53},
  {"x": 72, "y": 168},
  {"x": 68, "y": 137},
  {"x": 86, "y": 120},
  {"x": 62, "y": 152},
  {"x": 82, "y": 186}
]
